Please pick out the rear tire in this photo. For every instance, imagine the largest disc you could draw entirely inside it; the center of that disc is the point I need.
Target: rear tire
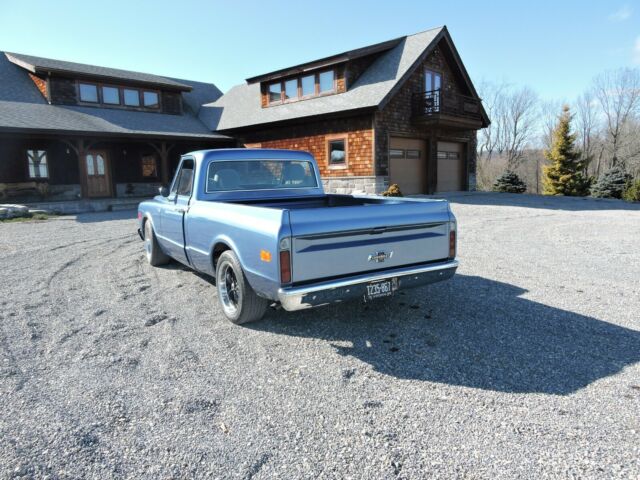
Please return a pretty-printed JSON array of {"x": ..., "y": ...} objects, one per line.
[
  {"x": 153, "y": 252},
  {"x": 239, "y": 302}
]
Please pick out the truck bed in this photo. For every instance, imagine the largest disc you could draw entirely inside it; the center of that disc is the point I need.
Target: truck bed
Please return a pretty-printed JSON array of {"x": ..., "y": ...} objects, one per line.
[{"x": 324, "y": 201}]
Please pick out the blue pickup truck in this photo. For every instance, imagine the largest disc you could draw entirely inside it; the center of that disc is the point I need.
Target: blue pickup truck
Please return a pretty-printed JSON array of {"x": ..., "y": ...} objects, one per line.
[{"x": 260, "y": 222}]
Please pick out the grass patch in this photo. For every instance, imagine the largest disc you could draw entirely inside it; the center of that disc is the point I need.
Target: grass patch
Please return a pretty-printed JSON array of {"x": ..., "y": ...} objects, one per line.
[{"x": 36, "y": 217}]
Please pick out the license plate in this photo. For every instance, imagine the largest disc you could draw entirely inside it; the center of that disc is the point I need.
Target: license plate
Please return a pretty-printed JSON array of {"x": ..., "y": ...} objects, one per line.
[{"x": 381, "y": 288}]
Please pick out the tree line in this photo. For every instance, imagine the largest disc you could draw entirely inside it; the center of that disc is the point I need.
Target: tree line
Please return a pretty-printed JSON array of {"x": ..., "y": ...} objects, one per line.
[{"x": 590, "y": 140}]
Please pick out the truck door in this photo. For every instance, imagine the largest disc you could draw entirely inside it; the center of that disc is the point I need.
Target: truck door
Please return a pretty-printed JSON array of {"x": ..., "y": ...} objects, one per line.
[{"x": 175, "y": 210}]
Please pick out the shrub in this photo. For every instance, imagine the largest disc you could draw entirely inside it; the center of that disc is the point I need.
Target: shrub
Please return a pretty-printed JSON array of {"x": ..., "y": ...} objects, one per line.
[
  {"x": 392, "y": 191},
  {"x": 632, "y": 192},
  {"x": 611, "y": 183},
  {"x": 509, "y": 182}
]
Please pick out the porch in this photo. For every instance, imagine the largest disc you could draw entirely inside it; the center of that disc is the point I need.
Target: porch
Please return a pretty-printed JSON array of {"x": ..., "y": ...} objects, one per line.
[{"x": 73, "y": 174}]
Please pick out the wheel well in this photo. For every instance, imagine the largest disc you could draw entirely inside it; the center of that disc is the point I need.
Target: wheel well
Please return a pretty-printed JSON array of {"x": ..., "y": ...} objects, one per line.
[
  {"x": 144, "y": 224},
  {"x": 218, "y": 250}
]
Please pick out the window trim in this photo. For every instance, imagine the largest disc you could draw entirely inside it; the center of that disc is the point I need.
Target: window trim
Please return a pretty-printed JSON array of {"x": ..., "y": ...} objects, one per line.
[
  {"x": 334, "y": 138},
  {"x": 46, "y": 154}
]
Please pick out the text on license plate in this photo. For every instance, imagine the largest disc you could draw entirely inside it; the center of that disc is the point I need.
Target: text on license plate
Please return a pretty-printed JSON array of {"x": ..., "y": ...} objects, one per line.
[{"x": 382, "y": 288}]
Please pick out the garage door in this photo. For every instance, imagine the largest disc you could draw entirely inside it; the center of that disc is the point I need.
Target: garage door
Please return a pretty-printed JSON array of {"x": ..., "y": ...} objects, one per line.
[
  {"x": 450, "y": 167},
  {"x": 408, "y": 165}
]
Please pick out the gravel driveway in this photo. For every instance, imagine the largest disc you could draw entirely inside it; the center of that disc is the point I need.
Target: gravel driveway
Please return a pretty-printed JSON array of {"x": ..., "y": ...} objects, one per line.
[{"x": 526, "y": 364}]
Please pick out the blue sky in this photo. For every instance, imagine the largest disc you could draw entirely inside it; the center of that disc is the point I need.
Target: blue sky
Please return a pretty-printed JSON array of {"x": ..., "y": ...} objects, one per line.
[{"x": 555, "y": 47}]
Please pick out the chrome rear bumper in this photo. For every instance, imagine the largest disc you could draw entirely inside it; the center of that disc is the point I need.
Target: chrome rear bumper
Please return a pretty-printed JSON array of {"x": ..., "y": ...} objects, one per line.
[{"x": 335, "y": 291}]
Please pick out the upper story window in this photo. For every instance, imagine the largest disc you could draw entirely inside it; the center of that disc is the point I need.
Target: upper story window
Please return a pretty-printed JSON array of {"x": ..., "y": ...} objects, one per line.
[
  {"x": 432, "y": 81},
  {"x": 111, "y": 95},
  {"x": 114, "y": 96},
  {"x": 302, "y": 87},
  {"x": 88, "y": 92}
]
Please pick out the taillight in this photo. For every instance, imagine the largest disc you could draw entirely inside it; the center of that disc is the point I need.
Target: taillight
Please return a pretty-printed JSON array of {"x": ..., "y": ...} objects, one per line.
[
  {"x": 285, "y": 260},
  {"x": 452, "y": 244}
]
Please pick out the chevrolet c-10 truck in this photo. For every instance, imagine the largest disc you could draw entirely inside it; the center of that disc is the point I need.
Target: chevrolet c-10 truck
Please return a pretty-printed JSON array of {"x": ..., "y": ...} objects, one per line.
[{"x": 260, "y": 223}]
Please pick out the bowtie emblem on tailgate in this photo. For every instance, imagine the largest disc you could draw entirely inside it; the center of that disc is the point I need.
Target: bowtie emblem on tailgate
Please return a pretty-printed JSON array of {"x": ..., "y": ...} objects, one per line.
[{"x": 379, "y": 257}]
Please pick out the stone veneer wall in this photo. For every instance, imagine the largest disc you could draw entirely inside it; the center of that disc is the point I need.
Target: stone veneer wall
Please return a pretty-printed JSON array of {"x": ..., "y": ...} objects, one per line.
[{"x": 356, "y": 185}]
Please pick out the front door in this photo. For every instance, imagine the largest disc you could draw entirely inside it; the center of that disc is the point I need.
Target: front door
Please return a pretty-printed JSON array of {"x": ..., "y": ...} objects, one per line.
[{"x": 98, "y": 174}]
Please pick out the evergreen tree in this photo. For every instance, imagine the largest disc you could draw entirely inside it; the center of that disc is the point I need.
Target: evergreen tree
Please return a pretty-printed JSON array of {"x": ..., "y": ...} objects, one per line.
[
  {"x": 565, "y": 174},
  {"x": 509, "y": 182},
  {"x": 611, "y": 183}
]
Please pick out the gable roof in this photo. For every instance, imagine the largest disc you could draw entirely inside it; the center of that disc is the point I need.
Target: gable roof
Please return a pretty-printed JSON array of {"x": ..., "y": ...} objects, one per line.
[
  {"x": 241, "y": 108},
  {"x": 24, "y": 109},
  {"x": 42, "y": 65}
]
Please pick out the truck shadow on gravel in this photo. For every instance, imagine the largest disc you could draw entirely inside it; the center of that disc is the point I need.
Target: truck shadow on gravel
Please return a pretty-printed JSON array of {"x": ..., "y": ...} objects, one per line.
[{"x": 472, "y": 332}]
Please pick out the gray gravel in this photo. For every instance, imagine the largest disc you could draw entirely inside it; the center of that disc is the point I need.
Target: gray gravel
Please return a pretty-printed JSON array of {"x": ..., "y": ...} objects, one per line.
[{"x": 526, "y": 364}]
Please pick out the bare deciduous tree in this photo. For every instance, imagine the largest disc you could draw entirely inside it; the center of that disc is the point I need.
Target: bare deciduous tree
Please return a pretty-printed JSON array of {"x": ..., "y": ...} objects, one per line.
[{"x": 618, "y": 93}]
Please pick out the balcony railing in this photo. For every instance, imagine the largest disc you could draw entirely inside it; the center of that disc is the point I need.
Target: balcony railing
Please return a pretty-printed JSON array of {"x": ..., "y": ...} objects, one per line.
[{"x": 433, "y": 103}]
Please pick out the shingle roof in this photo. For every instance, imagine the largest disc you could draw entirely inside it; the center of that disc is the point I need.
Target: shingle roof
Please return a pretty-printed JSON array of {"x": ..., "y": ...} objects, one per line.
[
  {"x": 23, "y": 108},
  {"x": 39, "y": 65},
  {"x": 240, "y": 107}
]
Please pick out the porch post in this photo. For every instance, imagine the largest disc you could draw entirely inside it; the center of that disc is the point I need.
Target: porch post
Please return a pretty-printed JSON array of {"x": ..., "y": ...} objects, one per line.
[
  {"x": 80, "y": 149},
  {"x": 432, "y": 163}
]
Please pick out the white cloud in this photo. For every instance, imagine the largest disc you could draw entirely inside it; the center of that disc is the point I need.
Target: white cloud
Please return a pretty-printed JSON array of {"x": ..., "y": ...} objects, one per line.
[
  {"x": 636, "y": 51},
  {"x": 622, "y": 14}
]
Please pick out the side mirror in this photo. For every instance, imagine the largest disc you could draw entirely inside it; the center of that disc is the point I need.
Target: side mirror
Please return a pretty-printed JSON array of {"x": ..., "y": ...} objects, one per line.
[{"x": 164, "y": 191}]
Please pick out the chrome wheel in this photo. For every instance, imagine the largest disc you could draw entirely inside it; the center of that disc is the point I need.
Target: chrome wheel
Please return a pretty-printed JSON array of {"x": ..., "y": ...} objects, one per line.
[
  {"x": 148, "y": 239},
  {"x": 228, "y": 288}
]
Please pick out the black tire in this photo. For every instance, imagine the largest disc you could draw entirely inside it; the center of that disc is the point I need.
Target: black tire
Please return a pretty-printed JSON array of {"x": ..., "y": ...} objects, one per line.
[
  {"x": 155, "y": 255},
  {"x": 239, "y": 302}
]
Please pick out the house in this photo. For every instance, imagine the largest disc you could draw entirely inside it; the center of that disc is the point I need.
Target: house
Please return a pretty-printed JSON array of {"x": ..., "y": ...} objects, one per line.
[
  {"x": 72, "y": 131},
  {"x": 402, "y": 111}
]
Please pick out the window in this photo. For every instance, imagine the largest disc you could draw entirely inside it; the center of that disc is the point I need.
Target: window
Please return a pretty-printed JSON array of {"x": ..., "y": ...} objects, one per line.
[
  {"x": 259, "y": 175},
  {"x": 111, "y": 95},
  {"x": 150, "y": 99},
  {"x": 131, "y": 97},
  {"x": 337, "y": 152},
  {"x": 149, "y": 166},
  {"x": 413, "y": 154},
  {"x": 448, "y": 155},
  {"x": 275, "y": 92},
  {"x": 326, "y": 81},
  {"x": 432, "y": 81},
  {"x": 37, "y": 164},
  {"x": 301, "y": 87},
  {"x": 182, "y": 183},
  {"x": 308, "y": 84},
  {"x": 291, "y": 89},
  {"x": 88, "y": 93},
  {"x": 396, "y": 153}
]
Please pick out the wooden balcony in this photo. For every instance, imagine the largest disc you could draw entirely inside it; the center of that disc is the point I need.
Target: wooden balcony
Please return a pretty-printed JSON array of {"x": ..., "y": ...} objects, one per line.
[{"x": 439, "y": 108}]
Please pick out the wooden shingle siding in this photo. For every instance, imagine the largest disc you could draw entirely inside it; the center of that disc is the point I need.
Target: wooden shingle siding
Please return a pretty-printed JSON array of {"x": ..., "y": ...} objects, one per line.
[
  {"x": 312, "y": 138},
  {"x": 41, "y": 84},
  {"x": 396, "y": 117},
  {"x": 63, "y": 91}
]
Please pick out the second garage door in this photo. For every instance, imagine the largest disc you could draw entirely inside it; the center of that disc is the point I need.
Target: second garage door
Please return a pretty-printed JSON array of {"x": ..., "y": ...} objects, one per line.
[
  {"x": 450, "y": 166},
  {"x": 408, "y": 165}
]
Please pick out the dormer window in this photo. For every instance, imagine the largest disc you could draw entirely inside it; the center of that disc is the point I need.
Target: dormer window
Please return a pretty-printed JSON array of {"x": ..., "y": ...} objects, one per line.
[
  {"x": 88, "y": 93},
  {"x": 111, "y": 95},
  {"x": 118, "y": 96},
  {"x": 302, "y": 87}
]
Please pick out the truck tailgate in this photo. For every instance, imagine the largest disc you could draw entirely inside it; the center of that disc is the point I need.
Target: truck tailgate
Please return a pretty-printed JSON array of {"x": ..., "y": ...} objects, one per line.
[{"x": 330, "y": 242}]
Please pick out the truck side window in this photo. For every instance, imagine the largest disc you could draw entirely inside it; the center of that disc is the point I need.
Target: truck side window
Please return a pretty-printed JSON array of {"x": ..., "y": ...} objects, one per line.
[{"x": 184, "y": 180}]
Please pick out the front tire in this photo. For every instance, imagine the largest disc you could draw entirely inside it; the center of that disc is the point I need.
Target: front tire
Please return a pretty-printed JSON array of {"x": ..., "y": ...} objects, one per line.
[
  {"x": 240, "y": 303},
  {"x": 153, "y": 252}
]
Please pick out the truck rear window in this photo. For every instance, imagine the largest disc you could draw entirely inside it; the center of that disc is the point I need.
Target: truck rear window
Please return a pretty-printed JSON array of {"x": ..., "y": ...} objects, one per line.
[{"x": 224, "y": 176}]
